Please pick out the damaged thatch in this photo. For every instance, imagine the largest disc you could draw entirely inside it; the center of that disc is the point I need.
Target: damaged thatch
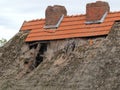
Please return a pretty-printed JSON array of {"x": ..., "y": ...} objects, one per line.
[{"x": 91, "y": 63}]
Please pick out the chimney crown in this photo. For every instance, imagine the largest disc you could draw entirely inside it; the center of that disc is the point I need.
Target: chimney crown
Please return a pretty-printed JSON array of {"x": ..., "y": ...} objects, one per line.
[{"x": 95, "y": 11}]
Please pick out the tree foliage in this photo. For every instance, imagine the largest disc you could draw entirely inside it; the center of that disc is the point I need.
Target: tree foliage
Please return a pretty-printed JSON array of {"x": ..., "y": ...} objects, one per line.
[{"x": 2, "y": 41}]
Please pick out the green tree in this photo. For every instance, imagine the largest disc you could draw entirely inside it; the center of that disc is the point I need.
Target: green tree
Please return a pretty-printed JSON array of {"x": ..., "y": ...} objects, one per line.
[{"x": 2, "y": 41}]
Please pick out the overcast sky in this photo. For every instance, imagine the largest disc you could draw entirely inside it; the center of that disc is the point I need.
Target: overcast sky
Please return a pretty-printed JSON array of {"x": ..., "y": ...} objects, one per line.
[{"x": 14, "y": 12}]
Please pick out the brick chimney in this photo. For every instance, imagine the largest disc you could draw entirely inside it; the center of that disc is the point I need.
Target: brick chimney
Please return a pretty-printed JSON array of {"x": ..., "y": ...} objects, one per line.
[
  {"x": 96, "y": 11},
  {"x": 53, "y": 14}
]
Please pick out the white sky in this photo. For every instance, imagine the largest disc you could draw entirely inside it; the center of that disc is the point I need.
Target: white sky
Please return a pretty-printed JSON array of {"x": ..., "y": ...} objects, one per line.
[{"x": 14, "y": 12}]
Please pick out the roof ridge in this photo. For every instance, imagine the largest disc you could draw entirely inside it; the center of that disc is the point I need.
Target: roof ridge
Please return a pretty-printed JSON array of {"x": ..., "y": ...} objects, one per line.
[
  {"x": 69, "y": 16},
  {"x": 34, "y": 20},
  {"x": 112, "y": 12},
  {"x": 77, "y": 15}
]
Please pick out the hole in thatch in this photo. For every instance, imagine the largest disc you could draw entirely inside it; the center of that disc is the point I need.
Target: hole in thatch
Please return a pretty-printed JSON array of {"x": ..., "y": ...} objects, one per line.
[
  {"x": 35, "y": 56},
  {"x": 40, "y": 54}
]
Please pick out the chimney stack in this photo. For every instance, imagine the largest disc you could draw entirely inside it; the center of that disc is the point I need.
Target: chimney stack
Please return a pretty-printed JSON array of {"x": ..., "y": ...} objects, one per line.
[
  {"x": 96, "y": 11},
  {"x": 53, "y": 14}
]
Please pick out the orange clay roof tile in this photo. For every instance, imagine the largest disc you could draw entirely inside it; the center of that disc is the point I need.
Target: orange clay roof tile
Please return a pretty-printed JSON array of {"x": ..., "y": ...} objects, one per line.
[{"x": 71, "y": 27}]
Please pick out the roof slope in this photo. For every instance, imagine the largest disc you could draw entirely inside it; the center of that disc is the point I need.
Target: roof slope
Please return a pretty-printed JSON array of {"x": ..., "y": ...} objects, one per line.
[{"x": 71, "y": 26}]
